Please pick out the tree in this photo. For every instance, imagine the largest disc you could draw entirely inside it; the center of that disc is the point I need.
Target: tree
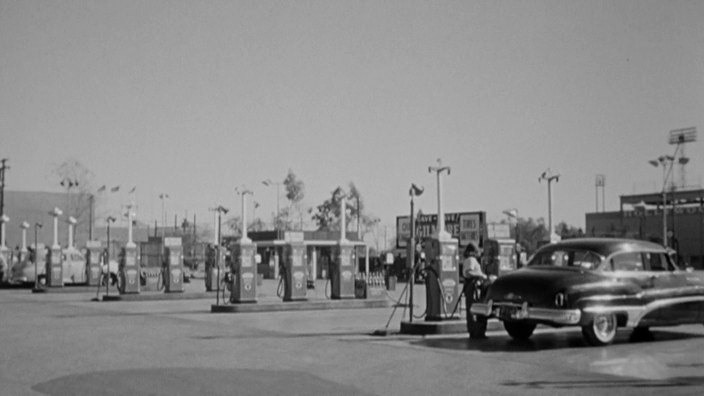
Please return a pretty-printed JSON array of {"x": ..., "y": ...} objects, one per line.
[
  {"x": 327, "y": 217},
  {"x": 234, "y": 224},
  {"x": 531, "y": 233},
  {"x": 566, "y": 231},
  {"x": 295, "y": 191},
  {"x": 328, "y": 214}
]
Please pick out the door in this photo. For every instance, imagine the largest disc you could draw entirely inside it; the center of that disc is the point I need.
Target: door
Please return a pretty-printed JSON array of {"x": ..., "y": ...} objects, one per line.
[{"x": 668, "y": 290}]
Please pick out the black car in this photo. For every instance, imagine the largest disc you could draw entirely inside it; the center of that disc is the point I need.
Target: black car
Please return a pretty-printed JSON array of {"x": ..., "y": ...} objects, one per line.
[{"x": 598, "y": 284}]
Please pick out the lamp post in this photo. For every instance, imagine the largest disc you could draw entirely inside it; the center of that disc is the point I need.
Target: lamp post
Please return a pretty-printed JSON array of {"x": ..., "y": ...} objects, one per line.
[
  {"x": 24, "y": 227},
  {"x": 441, "y": 232},
  {"x": 4, "y": 219},
  {"x": 163, "y": 197},
  {"x": 641, "y": 209},
  {"x": 549, "y": 177},
  {"x": 666, "y": 162},
  {"x": 36, "y": 255},
  {"x": 109, "y": 220},
  {"x": 513, "y": 215},
  {"x": 244, "y": 194},
  {"x": 270, "y": 183},
  {"x": 219, "y": 211},
  {"x": 71, "y": 226},
  {"x": 3, "y": 168},
  {"x": 414, "y": 191},
  {"x": 56, "y": 213},
  {"x": 5, "y": 254}
]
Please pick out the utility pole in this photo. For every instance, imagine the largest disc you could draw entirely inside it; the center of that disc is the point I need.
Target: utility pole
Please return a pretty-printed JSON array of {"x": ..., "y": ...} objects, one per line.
[{"x": 3, "y": 166}]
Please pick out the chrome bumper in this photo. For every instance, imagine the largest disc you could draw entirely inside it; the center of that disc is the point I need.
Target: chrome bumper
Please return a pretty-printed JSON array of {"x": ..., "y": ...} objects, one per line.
[{"x": 521, "y": 312}]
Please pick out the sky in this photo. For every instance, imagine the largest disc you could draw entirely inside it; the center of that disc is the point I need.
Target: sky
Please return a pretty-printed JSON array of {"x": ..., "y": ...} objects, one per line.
[{"x": 194, "y": 99}]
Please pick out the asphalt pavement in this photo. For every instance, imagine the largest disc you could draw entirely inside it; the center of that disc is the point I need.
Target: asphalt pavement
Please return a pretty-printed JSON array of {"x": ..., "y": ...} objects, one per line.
[{"x": 66, "y": 344}]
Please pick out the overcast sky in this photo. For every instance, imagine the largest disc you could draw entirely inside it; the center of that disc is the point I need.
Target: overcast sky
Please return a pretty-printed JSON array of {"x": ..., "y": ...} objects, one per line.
[{"x": 194, "y": 98}]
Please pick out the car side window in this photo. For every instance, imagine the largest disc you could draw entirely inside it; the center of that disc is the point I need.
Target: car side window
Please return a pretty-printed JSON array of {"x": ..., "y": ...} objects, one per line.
[
  {"x": 656, "y": 262},
  {"x": 631, "y": 261}
]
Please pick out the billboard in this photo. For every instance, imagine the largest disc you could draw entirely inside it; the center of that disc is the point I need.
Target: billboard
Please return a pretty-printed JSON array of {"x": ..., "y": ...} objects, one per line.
[{"x": 464, "y": 226}]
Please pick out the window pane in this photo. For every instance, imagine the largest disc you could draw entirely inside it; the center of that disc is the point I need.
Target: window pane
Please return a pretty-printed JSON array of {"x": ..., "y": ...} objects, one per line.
[
  {"x": 657, "y": 262},
  {"x": 628, "y": 262}
]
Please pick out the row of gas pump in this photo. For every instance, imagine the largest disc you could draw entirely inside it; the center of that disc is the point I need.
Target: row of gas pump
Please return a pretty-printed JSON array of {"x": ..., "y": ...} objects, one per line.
[
  {"x": 130, "y": 278},
  {"x": 239, "y": 273}
]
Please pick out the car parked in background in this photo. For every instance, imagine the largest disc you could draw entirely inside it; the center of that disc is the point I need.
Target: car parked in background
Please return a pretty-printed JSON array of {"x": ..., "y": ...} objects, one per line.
[
  {"x": 74, "y": 267},
  {"x": 23, "y": 271},
  {"x": 598, "y": 284}
]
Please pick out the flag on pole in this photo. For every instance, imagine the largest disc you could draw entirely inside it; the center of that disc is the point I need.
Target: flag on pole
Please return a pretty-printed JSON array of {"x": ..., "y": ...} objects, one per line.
[
  {"x": 115, "y": 189},
  {"x": 101, "y": 189},
  {"x": 133, "y": 189}
]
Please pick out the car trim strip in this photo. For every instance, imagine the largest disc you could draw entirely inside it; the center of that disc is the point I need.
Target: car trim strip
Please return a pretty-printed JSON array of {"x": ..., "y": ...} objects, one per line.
[
  {"x": 559, "y": 316},
  {"x": 636, "y": 313}
]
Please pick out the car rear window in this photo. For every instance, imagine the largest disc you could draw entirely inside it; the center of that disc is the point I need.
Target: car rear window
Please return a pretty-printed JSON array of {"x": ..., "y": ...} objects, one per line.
[{"x": 567, "y": 258}]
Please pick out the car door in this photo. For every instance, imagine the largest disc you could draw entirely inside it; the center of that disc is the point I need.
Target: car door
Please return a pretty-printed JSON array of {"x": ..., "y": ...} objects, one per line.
[{"x": 668, "y": 289}]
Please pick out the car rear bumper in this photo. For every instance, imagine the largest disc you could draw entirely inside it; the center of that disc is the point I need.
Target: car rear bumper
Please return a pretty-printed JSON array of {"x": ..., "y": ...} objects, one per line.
[{"x": 512, "y": 311}]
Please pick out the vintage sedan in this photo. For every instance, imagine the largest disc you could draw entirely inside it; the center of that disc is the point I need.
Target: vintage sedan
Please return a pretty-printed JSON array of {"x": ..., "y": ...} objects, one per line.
[
  {"x": 73, "y": 264},
  {"x": 598, "y": 284}
]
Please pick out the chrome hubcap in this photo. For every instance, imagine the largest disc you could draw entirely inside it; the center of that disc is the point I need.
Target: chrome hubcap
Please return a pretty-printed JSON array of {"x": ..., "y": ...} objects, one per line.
[{"x": 605, "y": 327}]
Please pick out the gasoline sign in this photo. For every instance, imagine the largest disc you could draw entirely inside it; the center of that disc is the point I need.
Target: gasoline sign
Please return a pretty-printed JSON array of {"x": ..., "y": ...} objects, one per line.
[{"x": 465, "y": 226}]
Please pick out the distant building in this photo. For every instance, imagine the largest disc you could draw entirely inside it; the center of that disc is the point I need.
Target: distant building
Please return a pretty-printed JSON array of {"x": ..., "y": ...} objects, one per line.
[
  {"x": 640, "y": 216},
  {"x": 34, "y": 207}
]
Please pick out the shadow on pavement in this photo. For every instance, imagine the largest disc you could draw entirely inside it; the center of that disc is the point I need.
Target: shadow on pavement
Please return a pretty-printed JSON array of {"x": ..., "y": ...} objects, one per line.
[
  {"x": 566, "y": 386},
  {"x": 199, "y": 381},
  {"x": 543, "y": 341}
]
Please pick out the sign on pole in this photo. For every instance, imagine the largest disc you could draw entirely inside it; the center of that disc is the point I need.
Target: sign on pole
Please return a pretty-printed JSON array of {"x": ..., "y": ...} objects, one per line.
[{"x": 465, "y": 226}]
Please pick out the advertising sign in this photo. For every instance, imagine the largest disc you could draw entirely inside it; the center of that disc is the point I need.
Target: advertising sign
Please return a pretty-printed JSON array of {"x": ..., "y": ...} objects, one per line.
[{"x": 465, "y": 226}]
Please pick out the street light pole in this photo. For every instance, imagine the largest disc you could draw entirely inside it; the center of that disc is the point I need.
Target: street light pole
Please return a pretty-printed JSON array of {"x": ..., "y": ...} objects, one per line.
[
  {"x": 513, "y": 214},
  {"x": 163, "y": 196},
  {"x": 549, "y": 177},
  {"x": 109, "y": 220},
  {"x": 244, "y": 193},
  {"x": 3, "y": 168},
  {"x": 413, "y": 192},
  {"x": 442, "y": 233},
  {"x": 36, "y": 255},
  {"x": 663, "y": 161}
]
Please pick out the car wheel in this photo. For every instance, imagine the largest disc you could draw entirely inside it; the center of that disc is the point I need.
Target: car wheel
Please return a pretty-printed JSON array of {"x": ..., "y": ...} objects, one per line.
[
  {"x": 601, "y": 331},
  {"x": 519, "y": 330}
]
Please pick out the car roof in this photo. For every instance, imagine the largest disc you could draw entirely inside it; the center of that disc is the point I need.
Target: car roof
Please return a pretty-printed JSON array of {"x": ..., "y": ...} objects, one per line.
[{"x": 605, "y": 246}]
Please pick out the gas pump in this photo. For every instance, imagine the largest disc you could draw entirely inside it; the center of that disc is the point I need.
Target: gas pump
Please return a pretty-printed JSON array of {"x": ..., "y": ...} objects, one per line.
[
  {"x": 129, "y": 270},
  {"x": 442, "y": 289},
  {"x": 173, "y": 268},
  {"x": 214, "y": 267},
  {"x": 54, "y": 267},
  {"x": 295, "y": 285},
  {"x": 342, "y": 272},
  {"x": 244, "y": 272},
  {"x": 94, "y": 250}
]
